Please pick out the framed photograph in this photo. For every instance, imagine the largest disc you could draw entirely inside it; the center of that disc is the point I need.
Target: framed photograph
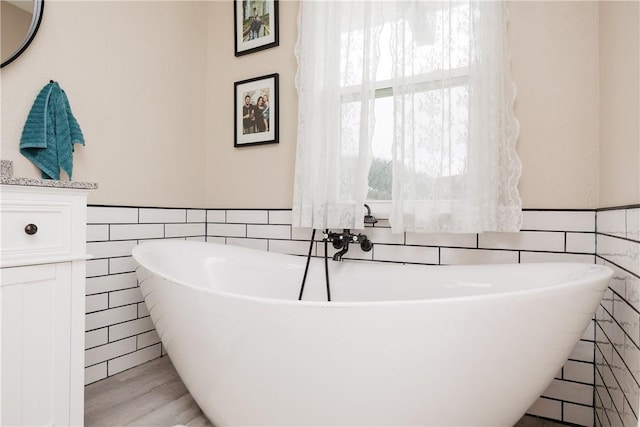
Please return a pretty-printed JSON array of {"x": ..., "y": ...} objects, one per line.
[
  {"x": 256, "y": 25},
  {"x": 256, "y": 111}
]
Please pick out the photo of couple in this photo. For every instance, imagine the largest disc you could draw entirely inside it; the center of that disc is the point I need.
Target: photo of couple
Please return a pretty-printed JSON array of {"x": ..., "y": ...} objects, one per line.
[
  {"x": 256, "y": 19},
  {"x": 255, "y": 114},
  {"x": 256, "y": 111},
  {"x": 255, "y": 25}
]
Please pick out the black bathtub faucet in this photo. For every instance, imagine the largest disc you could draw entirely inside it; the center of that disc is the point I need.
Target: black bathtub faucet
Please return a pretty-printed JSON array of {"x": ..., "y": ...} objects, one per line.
[
  {"x": 339, "y": 241},
  {"x": 342, "y": 240}
]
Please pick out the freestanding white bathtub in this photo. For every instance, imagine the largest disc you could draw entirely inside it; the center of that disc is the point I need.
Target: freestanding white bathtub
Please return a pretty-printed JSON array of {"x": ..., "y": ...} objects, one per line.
[{"x": 398, "y": 344}]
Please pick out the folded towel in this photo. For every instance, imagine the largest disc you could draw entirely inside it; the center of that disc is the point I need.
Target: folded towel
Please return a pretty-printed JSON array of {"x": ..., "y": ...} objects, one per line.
[{"x": 50, "y": 132}]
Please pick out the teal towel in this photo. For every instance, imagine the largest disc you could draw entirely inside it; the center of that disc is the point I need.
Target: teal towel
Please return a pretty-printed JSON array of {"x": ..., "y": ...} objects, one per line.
[{"x": 50, "y": 132}]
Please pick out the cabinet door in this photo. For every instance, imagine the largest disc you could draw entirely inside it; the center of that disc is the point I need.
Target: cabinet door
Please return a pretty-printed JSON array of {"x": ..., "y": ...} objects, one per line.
[{"x": 36, "y": 320}]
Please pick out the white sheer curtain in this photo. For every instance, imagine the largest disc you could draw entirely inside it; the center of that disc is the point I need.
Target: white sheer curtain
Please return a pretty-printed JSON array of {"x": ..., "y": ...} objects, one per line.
[{"x": 442, "y": 68}]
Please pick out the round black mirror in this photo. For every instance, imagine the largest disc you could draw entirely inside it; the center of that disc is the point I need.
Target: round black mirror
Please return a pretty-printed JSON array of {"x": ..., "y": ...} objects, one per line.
[{"x": 20, "y": 23}]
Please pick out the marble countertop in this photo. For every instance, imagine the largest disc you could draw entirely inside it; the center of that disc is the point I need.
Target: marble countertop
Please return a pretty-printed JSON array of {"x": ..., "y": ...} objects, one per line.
[{"x": 6, "y": 177}]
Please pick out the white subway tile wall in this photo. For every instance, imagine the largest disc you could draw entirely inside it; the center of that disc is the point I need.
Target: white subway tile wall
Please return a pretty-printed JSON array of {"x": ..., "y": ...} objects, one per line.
[
  {"x": 617, "y": 331},
  {"x": 120, "y": 334}
]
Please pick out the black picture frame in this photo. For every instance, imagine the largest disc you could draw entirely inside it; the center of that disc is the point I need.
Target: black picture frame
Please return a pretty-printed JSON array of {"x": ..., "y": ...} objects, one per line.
[
  {"x": 256, "y": 119},
  {"x": 252, "y": 36}
]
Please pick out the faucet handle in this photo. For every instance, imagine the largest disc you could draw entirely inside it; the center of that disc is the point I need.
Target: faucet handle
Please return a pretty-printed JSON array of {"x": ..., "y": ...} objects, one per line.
[{"x": 365, "y": 244}]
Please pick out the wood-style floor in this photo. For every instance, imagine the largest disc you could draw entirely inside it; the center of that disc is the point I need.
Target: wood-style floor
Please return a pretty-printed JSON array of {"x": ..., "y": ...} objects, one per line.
[{"x": 153, "y": 395}]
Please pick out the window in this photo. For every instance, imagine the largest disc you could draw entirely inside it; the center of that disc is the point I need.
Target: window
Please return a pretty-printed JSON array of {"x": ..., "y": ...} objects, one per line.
[
  {"x": 430, "y": 73},
  {"x": 413, "y": 106}
]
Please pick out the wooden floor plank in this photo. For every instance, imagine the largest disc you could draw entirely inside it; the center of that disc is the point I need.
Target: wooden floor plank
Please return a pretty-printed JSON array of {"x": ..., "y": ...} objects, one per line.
[
  {"x": 128, "y": 385},
  {"x": 181, "y": 411},
  {"x": 153, "y": 395}
]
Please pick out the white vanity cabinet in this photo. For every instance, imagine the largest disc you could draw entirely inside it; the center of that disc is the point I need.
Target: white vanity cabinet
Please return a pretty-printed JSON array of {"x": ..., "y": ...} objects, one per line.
[{"x": 42, "y": 299}]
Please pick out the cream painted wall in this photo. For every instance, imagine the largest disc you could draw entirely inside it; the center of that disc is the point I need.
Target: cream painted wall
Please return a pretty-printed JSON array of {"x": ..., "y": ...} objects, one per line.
[
  {"x": 256, "y": 176},
  {"x": 554, "y": 51},
  {"x": 134, "y": 73},
  {"x": 619, "y": 103}
]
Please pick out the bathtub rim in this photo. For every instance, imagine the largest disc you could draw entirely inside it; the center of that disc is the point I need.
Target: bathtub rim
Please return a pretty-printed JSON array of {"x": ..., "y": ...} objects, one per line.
[{"x": 603, "y": 272}]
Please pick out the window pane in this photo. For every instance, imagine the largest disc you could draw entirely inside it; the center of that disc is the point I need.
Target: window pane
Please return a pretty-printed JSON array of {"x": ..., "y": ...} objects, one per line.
[
  {"x": 439, "y": 131},
  {"x": 423, "y": 39},
  {"x": 380, "y": 172},
  {"x": 419, "y": 37},
  {"x": 437, "y": 125}
]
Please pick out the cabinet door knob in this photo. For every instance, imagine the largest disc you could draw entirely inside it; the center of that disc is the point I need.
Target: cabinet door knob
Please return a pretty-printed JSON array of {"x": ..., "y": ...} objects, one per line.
[{"x": 31, "y": 229}]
